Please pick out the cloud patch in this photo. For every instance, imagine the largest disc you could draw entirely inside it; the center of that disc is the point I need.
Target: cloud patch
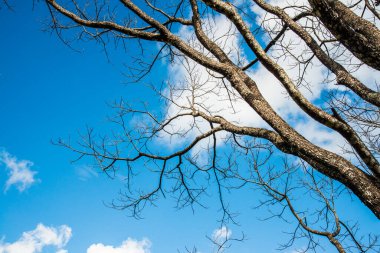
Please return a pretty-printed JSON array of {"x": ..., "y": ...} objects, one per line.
[
  {"x": 221, "y": 234},
  {"x": 128, "y": 246},
  {"x": 20, "y": 174},
  {"x": 36, "y": 240}
]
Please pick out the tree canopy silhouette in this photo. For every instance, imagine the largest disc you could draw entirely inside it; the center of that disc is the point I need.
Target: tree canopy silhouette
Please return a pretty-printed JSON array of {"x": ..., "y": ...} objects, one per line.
[{"x": 227, "y": 59}]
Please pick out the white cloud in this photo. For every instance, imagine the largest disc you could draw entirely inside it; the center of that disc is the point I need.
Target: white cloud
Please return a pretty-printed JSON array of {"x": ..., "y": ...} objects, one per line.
[
  {"x": 321, "y": 136},
  {"x": 19, "y": 171},
  {"x": 210, "y": 94},
  {"x": 49, "y": 238},
  {"x": 221, "y": 234},
  {"x": 62, "y": 251},
  {"x": 36, "y": 240},
  {"x": 128, "y": 246}
]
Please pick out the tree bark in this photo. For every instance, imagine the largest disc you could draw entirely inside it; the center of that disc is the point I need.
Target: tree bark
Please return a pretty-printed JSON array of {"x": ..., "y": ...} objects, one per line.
[{"x": 357, "y": 34}]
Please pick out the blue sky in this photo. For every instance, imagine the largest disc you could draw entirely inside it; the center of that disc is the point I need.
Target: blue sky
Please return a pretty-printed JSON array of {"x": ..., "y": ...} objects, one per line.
[{"x": 48, "y": 91}]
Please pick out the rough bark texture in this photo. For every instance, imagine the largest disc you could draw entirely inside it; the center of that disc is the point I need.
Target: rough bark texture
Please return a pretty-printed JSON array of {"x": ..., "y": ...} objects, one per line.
[{"x": 355, "y": 33}]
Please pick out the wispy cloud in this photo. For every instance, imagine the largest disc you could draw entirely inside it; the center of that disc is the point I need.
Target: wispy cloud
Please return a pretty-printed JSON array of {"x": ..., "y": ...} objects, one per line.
[
  {"x": 36, "y": 240},
  {"x": 128, "y": 246},
  {"x": 19, "y": 171},
  {"x": 85, "y": 172}
]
